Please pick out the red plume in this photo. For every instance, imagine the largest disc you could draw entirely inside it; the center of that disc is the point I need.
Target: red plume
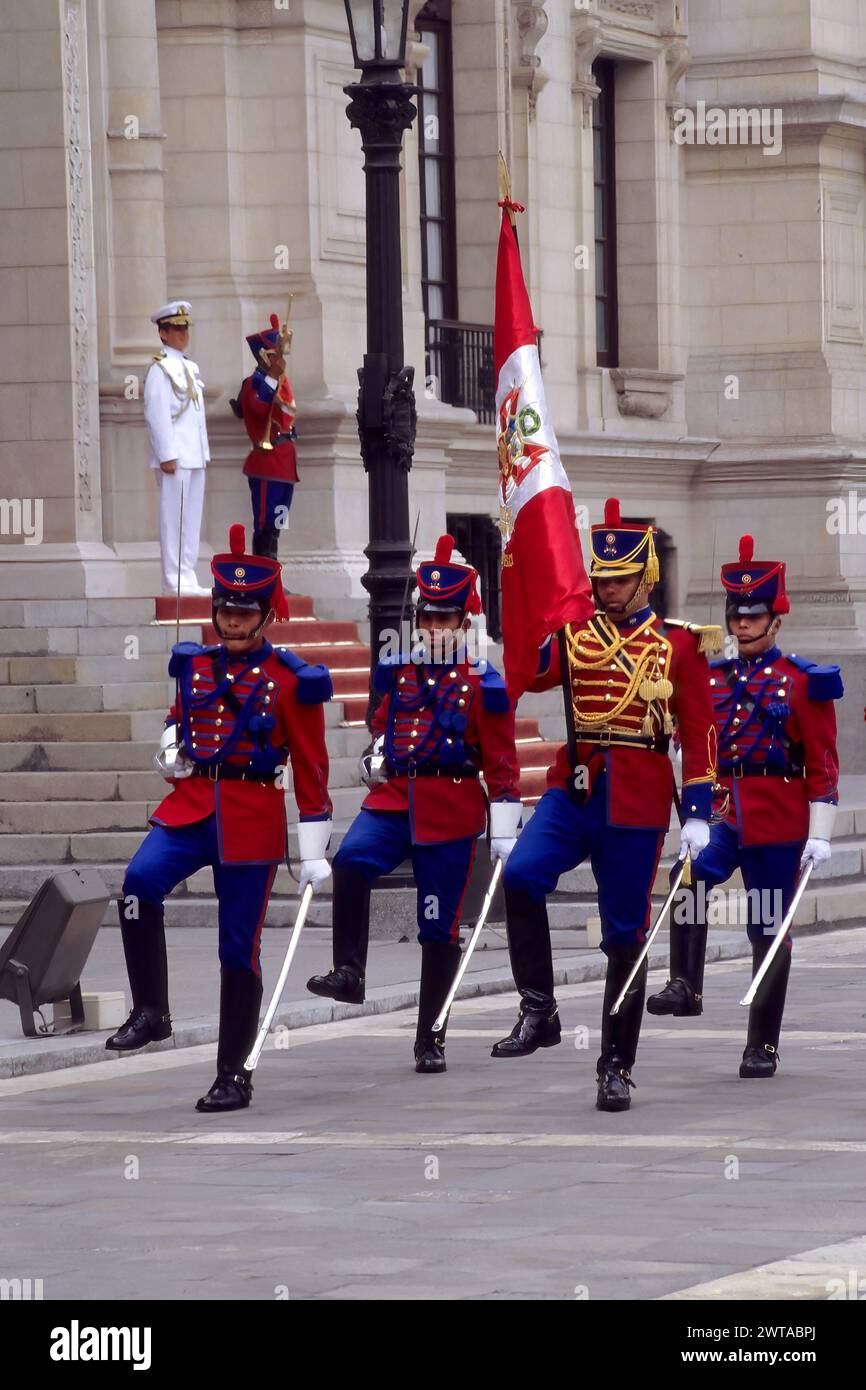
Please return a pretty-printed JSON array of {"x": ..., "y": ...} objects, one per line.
[
  {"x": 444, "y": 547},
  {"x": 747, "y": 549},
  {"x": 237, "y": 539},
  {"x": 612, "y": 515},
  {"x": 275, "y": 322},
  {"x": 279, "y": 602}
]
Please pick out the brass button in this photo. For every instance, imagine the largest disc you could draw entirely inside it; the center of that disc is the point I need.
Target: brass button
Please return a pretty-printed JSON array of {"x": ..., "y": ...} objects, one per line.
[
  {"x": 610, "y": 682},
  {"x": 464, "y": 688},
  {"x": 453, "y": 676},
  {"x": 217, "y": 738},
  {"x": 768, "y": 670},
  {"x": 270, "y": 685},
  {"x": 733, "y": 748},
  {"x": 219, "y": 721},
  {"x": 196, "y": 677},
  {"x": 712, "y": 680},
  {"x": 267, "y": 699},
  {"x": 411, "y": 748},
  {"x": 461, "y": 703},
  {"x": 431, "y": 681},
  {"x": 257, "y": 670},
  {"x": 230, "y": 678},
  {"x": 402, "y": 680},
  {"x": 736, "y": 722},
  {"x": 220, "y": 709}
]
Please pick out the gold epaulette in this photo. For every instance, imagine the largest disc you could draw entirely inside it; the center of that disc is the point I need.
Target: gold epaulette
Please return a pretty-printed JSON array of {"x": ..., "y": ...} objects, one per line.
[
  {"x": 158, "y": 356},
  {"x": 710, "y": 636}
]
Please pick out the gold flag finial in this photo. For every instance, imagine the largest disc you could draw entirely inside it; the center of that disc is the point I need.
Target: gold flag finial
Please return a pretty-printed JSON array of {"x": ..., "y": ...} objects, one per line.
[{"x": 505, "y": 188}]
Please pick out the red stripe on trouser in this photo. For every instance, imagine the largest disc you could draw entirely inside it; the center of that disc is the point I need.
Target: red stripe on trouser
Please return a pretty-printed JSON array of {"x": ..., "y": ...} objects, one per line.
[
  {"x": 454, "y": 930},
  {"x": 642, "y": 931},
  {"x": 254, "y": 956}
]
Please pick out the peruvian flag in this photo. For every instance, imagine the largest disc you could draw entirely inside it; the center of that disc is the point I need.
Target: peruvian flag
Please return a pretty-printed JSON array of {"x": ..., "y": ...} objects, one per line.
[{"x": 544, "y": 583}]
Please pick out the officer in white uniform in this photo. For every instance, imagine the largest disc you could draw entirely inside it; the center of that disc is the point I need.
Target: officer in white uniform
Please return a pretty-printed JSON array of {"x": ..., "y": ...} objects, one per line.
[{"x": 174, "y": 415}]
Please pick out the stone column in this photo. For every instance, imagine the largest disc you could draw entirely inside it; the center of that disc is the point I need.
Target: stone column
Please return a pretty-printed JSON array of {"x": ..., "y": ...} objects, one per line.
[{"x": 49, "y": 437}]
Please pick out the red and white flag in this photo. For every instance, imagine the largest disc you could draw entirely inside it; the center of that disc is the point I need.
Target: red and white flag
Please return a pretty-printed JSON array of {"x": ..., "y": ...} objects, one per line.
[{"x": 544, "y": 582}]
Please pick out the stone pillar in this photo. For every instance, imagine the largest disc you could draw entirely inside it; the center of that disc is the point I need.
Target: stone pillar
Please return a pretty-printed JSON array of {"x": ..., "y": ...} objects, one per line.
[{"x": 49, "y": 436}]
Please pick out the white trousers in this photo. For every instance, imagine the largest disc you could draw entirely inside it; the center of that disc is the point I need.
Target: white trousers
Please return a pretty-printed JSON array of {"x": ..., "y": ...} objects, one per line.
[{"x": 191, "y": 480}]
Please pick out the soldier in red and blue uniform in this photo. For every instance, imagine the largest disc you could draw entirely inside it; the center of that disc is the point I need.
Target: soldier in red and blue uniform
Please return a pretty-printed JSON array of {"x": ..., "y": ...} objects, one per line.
[
  {"x": 776, "y": 723},
  {"x": 266, "y": 404},
  {"x": 243, "y": 707},
  {"x": 629, "y": 680},
  {"x": 443, "y": 722}
]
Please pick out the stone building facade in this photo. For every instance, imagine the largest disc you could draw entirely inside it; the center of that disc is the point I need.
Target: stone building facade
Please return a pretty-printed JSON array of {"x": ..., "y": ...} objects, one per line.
[{"x": 698, "y": 276}]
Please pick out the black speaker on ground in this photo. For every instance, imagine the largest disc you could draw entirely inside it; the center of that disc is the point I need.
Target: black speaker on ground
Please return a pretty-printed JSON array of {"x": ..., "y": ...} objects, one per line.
[{"x": 43, "y": 957}]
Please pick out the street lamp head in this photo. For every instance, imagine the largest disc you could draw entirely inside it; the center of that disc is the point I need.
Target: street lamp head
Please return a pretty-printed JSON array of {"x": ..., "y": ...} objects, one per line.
[{"x": 377, "y": 29}]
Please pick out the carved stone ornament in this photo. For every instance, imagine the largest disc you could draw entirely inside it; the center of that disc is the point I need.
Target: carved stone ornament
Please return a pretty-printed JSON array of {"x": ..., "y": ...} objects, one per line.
[
  {"x": 531, "y": 22},
  {"x": 73, "y": 59},
  {"x": 588, "y": 39},
  {"x": 643, "y": 393}
]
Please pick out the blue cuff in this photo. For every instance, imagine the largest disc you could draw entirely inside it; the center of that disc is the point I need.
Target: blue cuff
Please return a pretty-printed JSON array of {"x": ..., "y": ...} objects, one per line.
[{"x": 697, "y": 801}]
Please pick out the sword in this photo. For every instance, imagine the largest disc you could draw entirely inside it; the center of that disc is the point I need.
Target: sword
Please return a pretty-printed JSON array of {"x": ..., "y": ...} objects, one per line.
[
  {"x": 779, "y": 937},
  {"x": 253, "y": 1060},
  {"x": 439, "y": 1022},
  {"x": 652, "y": 936}
]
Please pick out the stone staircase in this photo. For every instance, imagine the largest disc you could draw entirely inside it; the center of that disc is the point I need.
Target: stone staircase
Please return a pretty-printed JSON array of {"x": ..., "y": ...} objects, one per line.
[{"x": 83, "y": 695}]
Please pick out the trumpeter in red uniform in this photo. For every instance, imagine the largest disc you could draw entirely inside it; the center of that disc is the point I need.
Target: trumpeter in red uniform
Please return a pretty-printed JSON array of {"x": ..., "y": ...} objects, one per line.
[
  {"x": 266, "y": 404},
  {"x": 776, "y": 724},
  {"x": 243, "y": 708},
  {"x": 443, "y": 722},
  {"x": 629, "y": 680}
]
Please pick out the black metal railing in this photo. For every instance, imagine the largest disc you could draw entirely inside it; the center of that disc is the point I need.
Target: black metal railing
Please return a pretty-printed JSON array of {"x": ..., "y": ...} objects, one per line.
[{"x": 460, "y": 366}]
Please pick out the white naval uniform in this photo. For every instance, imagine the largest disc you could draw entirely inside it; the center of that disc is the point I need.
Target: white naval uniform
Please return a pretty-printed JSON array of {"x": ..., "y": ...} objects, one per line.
[{"x": 175, "y": 419}]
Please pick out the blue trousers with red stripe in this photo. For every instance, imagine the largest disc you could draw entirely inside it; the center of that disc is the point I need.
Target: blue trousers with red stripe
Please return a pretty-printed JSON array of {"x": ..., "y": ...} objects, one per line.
[
  {"x": 377, "y": 841},
  {"x": 169, "y": 855},
  {"x": 561, "y": 834},
  {"x": 267, "y": 496},
  {"x": 770, "y": 874}
]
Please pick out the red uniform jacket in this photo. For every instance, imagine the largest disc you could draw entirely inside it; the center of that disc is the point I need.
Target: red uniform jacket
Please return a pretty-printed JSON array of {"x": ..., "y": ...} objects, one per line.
[
  {"x": 775, "y": 712},
  {"x": 606, "y": 689},
  {"x": 250, "y": 714},
  {"x": 451, "y": 718},
  {"x": 257, "y": 403}
]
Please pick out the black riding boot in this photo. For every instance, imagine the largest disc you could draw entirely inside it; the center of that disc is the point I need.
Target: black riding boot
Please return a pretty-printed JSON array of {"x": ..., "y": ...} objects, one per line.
[
  {"x": 532, "y": 967},
  {"x": 682, "y": 996},
  {"x": 147, "y": 967},
  {"x": 765, "y": 1015},
  {"x": 240, "y": 1000},
  {"x": 439, "y": 964},
  {"x": 351, "y": 934},
  {"x": 619, "y": 1035},
  {"x": 266, "y": 542}
]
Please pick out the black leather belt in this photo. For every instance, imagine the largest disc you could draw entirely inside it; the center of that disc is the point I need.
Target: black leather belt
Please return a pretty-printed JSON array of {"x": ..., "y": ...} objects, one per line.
[
  {"x": 609, "y": 739},
  {"x": 227, "y": 772},
  {"x": 739, "y": 770},
  {"x": 282, "y": 439}
]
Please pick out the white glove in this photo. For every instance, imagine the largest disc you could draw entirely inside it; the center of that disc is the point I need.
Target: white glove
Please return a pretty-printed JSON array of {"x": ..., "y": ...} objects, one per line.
[
  {"x": 505, "y": 819},
  {"x": 313, "y": 837},
  {"x": 694, "y": 836},
  {"x": 315, "y": 871},
  {"x": 818, "y": 851}
]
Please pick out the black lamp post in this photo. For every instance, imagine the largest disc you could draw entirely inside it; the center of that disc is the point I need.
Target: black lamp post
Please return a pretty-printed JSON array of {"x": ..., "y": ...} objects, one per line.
[{"x": 381, "y": 108}]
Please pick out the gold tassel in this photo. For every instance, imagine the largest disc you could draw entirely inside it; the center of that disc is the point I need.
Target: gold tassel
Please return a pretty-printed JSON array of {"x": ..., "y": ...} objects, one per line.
[
  {"x": 668, "y": 723},
  {"x": 646, "y": 727},
  {"x": 651, "y": 573},
  {"x": 711, "y": 640},
  {"x": 686, "y": 879}
]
